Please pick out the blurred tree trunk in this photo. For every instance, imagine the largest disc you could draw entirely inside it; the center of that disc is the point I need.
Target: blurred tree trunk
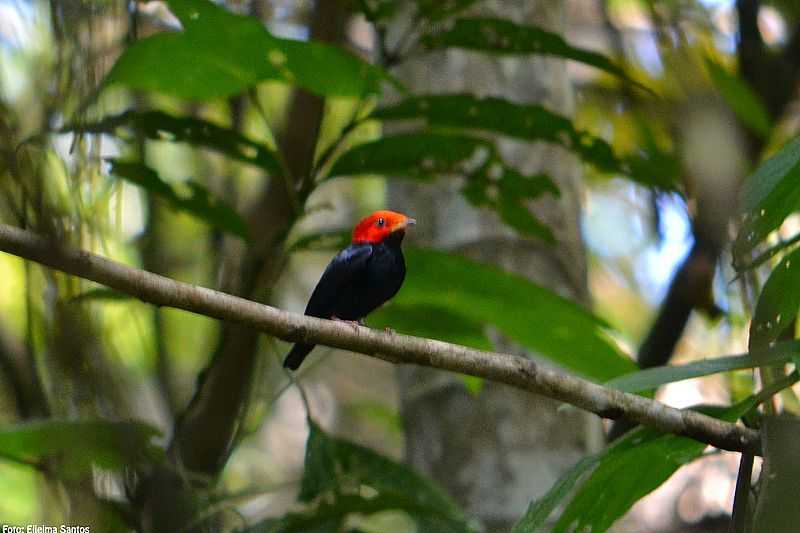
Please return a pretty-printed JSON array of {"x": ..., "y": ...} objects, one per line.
[{"x": 496, "y": 451}]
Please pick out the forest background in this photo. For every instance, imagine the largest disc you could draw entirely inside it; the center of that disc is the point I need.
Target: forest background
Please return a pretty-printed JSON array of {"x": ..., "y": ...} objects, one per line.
[{"x": 606, "y": 197}]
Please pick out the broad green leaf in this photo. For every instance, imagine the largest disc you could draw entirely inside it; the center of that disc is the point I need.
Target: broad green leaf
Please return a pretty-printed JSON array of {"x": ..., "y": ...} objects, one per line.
[
  {"x": 631, "y": 468},
  {"x": 77, "y": 445},
  {"x": 432, "y": 322},
  {"x": 489, "y": 181},
  {"x": 328, "y": 517},
  {"x": 529, "y": 122},
  {"x": 507, "y": 191},
  {"x": 437, "y": 10},
  {"x": 525, "y": 312},
  {"x": 519, "y": 217},
  {"x": 207, "y": 207},
  {"x": 161, "y": 126},
  {"x": 220, "y": 53},
  {"x": 769, "y": 195},
  {"x": 501, "y": 36},
  {"x": 524, "y": 121},
  {"x": 653, "y": 167},
  {"x": 197, "y": 200},
  {"x": 777, "y": 304},
  {"x": 623, "y": 477},
  {"x": 539, "y": 510},
  {"x": 337, "y": 472},
  {"x": 741, "y": 98},
  {"x": 422, "y": 155},
  {"x": 651, "y": 378},
  {"x": 768, "y": 254},
  {"x": 334, "y": 464},
  {"x": 448, "y": 325},
  {"x": 760, "y": 185}
]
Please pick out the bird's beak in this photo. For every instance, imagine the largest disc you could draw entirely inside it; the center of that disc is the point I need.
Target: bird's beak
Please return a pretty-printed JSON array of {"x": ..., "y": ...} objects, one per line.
[{"x": 403, "y": 224}]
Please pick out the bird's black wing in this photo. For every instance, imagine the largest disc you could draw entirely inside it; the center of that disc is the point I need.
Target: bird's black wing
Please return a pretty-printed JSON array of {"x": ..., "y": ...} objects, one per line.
[{"x": 346, "y": 266}]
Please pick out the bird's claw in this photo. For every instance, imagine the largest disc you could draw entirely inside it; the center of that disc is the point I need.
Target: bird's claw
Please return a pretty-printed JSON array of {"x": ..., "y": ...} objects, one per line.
[
  {"x": 389, "y": 330},
  {"x": 354, "y": 323}
]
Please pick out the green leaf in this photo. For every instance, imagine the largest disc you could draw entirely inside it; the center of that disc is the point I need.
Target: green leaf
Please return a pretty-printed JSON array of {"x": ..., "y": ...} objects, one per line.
[
  {"x": 334, "y": 464},
  {"x": 538, "y": 512},
  {"x": 437, "y": 10},
  {"x": 767, "y": 254},
  {"x": 197, "y": 200},
  {"x": 779, "y": 168},
  {"x": 501, "y": 36},
  {"x": 221, "y": 53},
  {"x": 631, "y": 468},
  {"x": 625, "y": 475},
  {"x": 205, "y": 206},
  {"x": 523, "y": 311},
  {"x": 518, "y": 216},
  {"x": 338, "y": 471},
  {"x": 423, "y": 155},
  {"x": 328, "y": 517},
  {"x": 769, "y": 195},
  {"x": 653, "y": 167},
  {"x": 489, "y": 181},
  {"x": 529, "y": 122},
  {"x": 161, "y": 126},
  {"x": 524, "y": 121},
  {"x": 448, "y": 325},
  {"x": 777, "y": 304},
  {"x": 655, "y": 377},
  {"x": 75, "y": 446},
  {"x": 741, "y": 98}
]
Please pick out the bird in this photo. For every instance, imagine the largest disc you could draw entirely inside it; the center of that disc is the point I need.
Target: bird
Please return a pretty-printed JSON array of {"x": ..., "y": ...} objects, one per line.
[{"x": 360, "y": 278}]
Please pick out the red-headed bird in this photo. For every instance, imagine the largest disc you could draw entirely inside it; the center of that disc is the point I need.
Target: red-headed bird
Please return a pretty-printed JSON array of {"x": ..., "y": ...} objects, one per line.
[{"x": 361, "y": 278}]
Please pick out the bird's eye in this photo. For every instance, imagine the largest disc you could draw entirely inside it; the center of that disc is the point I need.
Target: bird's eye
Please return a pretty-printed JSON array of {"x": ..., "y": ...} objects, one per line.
[{"x": 381, "y": 222}]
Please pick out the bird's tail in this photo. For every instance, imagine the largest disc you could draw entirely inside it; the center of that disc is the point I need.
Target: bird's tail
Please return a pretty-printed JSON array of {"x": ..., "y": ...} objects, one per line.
[{"x": 296, "y": 356}]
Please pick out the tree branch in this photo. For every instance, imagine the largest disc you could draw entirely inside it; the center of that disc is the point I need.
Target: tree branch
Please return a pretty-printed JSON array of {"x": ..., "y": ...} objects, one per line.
[
  {"x": 207, "y": 427},
  {"x": 292, "y": 327}
]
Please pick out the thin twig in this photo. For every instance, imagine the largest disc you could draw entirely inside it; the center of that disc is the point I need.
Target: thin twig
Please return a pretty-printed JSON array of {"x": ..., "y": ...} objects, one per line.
[
  {"x": 285, "y": 174},
  {"x": 774, "y": 387},
  {"x": 330, "y": 151},
  {"x": 739, "y": 520}
]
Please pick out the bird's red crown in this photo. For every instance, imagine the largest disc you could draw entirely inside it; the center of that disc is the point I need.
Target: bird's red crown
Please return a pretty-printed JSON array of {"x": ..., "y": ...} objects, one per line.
[{"x": 379, "y": 225}]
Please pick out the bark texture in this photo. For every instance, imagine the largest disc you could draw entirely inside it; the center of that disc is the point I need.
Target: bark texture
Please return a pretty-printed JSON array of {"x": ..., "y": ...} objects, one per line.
[{"x": 497, "y": 451}]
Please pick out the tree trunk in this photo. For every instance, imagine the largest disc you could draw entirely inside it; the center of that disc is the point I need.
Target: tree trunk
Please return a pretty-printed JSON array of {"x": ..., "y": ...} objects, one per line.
[{"x": 496, "y": 451}]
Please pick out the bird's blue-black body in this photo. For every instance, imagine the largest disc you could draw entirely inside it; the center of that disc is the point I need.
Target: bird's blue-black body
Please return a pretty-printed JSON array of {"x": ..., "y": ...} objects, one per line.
[{"x": 357, "y": 281}]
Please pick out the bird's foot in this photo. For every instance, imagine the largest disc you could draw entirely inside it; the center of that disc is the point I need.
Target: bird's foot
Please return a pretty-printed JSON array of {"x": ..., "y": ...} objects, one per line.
[
  {"x": 389, "y": 330},
  {"x": 354, "y": 323}
]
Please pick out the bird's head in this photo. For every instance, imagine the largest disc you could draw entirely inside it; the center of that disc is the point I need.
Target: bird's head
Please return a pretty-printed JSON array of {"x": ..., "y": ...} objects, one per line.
[{"x": 381, "y": 225}]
